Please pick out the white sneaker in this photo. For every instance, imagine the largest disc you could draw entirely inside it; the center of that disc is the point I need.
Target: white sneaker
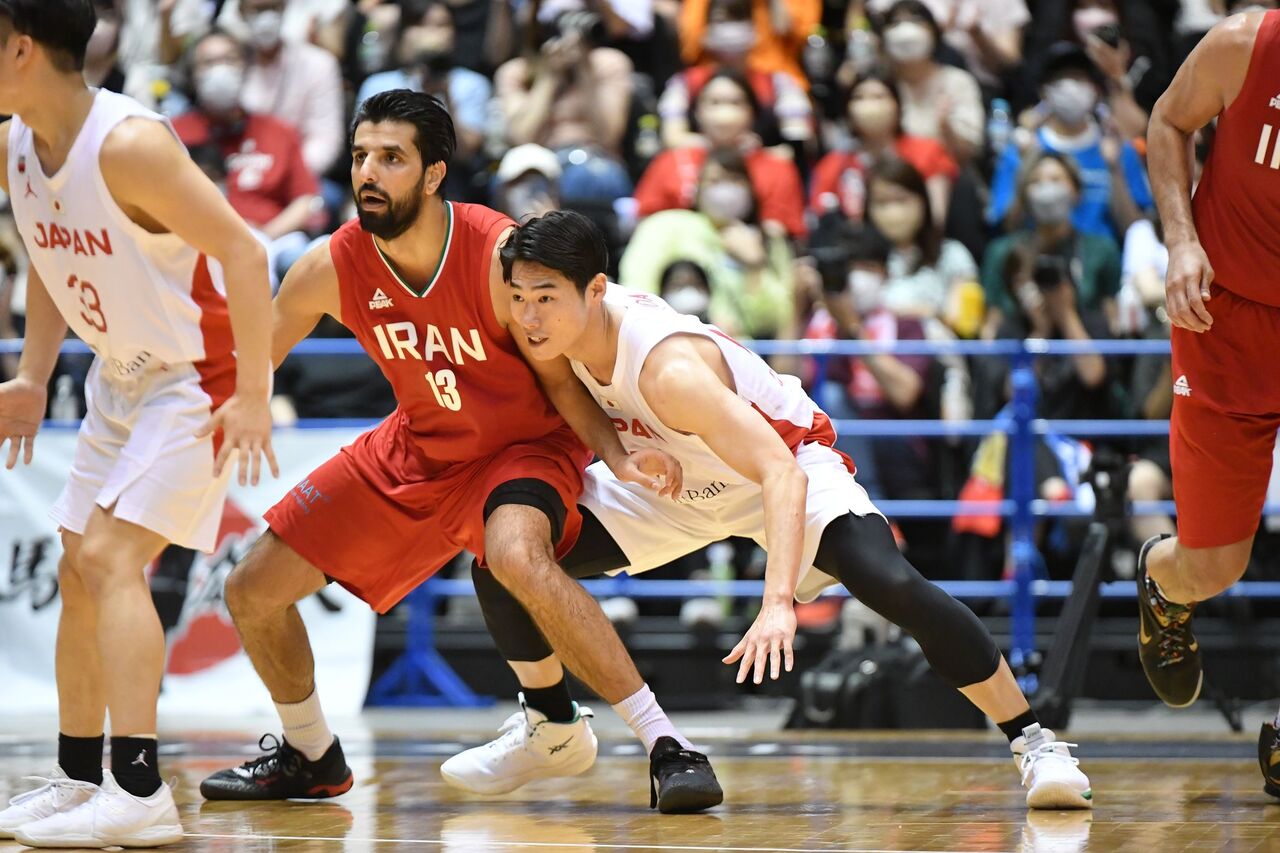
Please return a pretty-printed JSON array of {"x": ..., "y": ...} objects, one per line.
[
  {"x": 530, "y": 747},
  {"x": 59, "y": 793},
  {"x": 111, "y": 818},
  {"x": 1051, "y": 776}
]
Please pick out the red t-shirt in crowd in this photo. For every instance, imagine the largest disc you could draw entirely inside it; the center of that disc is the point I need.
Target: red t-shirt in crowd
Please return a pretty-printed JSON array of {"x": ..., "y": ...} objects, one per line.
[
  {"x": 671, "y": 183},
  {"x": 263, "y": 159},
  {"x": 839, "y": 181}
]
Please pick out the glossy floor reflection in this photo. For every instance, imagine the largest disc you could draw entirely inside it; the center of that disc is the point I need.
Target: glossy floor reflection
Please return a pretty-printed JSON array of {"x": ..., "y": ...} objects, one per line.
[{"x": 896, "y": 792}]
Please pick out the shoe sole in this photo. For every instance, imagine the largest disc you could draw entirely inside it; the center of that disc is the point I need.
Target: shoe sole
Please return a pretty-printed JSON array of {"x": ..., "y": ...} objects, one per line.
[
  {"x": 85, "y": 841},
  {"x": 154, "y": 836},
  {"x": 1058, "y": 795},
  {"x": 685, "y": 800},
  {"x": 524, "y": 779},
  {"x": 319, "y": 792}
]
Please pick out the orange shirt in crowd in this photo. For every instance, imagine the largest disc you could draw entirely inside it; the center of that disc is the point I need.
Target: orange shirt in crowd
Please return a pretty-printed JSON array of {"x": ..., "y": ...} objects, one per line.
[{"x": 772, "y": 51}]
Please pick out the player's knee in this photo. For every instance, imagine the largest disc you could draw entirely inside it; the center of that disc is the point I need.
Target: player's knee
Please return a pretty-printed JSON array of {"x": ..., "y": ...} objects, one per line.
[
  {"x": 1147, "y": 482},
  {"x": 70, "y": 586},
  {"x": 251, "y": 590},
  {"x": 100, "y": 566},
  {"x": 514, "y": 561}
]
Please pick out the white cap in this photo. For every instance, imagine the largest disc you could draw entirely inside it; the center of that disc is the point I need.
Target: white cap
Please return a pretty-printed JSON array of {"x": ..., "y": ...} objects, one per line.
[{"x": 528, "y": 158}]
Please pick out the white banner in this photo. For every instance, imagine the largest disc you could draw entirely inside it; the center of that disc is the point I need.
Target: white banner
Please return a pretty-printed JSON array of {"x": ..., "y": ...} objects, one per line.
[{"x": 206, "y": 670}]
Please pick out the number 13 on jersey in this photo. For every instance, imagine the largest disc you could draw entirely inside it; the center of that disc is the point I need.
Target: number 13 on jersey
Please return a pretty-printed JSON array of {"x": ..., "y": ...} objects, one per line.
[{"x": 444, "y": 385}]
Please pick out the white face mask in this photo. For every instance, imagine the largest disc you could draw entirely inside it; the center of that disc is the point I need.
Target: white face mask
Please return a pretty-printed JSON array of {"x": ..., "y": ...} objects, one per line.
[
  {"x": 218, "y": 87},
  {"x": 1085, "y": 21},
  {"x": 1071, "y": 100},
  {"x": 730, "y": 37},
  {"x": 1050, "y": 202},
  {"x": 265, "y": 28},
  {"x": 726, "y": 200},
  {"x": 688, "y": 300},
  {"x": 864, "y": 287},
  {"x": 908, "y": 41}
]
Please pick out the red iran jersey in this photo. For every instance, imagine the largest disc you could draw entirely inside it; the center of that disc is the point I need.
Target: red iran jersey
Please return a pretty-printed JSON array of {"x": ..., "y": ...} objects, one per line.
[
  {"x": 464, "y": 390},
  {"x": 1237, "y": 204}
]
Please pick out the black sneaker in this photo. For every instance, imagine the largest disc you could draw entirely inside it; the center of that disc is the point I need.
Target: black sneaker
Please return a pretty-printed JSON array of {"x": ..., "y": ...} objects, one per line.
[
  {"x": 681, "y": 781},
  {"x": 282, "y": 774},
  {"x": 1169, "y": 651},
  {"x": 1269, "y": 758}
]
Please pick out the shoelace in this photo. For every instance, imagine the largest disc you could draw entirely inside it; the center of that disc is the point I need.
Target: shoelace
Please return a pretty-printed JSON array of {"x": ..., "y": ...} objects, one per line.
[
  {"x": 683, "y": 759},
  {"x": 1172, "y": 646},
  {"x": 53, "y": 784},
  {"x": 287, "y": 763},
  {"x": 509, "y": 733},
  {"x": 1045, "y": 750}
]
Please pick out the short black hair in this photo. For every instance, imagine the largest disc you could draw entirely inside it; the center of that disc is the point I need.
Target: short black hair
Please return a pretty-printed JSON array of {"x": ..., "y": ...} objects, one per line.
[
  {"x": 561, "y": 240},
  {"x": 62, "y": 27},
  {"x": 913, "y": 9},
  {"x": 434, "y": 135}
]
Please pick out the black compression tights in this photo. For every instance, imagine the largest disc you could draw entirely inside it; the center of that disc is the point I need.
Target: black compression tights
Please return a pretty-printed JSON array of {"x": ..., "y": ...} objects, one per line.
[{"x": 859, "y": 551}]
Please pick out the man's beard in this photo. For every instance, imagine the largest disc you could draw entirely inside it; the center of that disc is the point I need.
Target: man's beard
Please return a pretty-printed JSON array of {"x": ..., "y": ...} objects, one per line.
[{"x": 397, "y": 215}]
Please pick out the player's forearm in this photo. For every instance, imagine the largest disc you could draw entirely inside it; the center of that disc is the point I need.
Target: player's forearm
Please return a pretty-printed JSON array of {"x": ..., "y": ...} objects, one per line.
[
  {"x": 785, "y": 491},
  {"x": 249, "y": 305},
  {"x": 1169, "y": 154},
  {"x": 587, "y": 419},
  {"x": 45, "y": 331}
]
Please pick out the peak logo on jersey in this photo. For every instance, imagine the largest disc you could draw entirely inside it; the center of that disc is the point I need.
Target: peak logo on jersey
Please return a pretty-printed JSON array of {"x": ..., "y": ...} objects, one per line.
[
  {"x": 401, "y": 341},
  {"x": 1181, "y": 387},
  {"x": 380, "y": 300},
  {"x": 56, "y": 238},
  {"x": 1275, "y": 102}
]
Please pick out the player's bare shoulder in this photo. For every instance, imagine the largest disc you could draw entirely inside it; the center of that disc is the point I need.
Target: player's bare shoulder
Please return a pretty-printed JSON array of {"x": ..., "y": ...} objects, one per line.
[
  {"x": 682, "y": 369},
  {"x": 1225, "y": 52},
  {"x": 135, "y": 156}
]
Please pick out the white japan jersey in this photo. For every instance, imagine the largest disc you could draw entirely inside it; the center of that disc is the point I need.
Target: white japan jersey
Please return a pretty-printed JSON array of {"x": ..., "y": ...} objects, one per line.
[
  {"x": 137, "y": 299},
  {"x": 779, "y": 399}
]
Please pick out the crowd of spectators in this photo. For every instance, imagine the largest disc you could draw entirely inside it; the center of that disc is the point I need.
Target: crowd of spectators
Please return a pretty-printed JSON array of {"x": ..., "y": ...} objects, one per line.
[{"x": 868, "y": 169}]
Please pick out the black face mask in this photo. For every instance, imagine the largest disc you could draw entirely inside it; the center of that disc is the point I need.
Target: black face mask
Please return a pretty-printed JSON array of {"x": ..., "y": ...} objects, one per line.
[{"x": 436, "y": 64}]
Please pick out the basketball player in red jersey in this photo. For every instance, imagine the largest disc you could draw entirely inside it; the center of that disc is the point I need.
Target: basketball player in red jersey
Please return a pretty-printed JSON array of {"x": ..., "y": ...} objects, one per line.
[
  {"x": 1224, "y": 302},
  {"x": 474, "y": 458}
]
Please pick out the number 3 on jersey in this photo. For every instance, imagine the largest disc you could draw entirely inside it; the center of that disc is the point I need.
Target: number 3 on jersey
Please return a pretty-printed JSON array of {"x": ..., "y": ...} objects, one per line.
[
  {"x": 444, "y": 385},
  {"x": 90, "y": 304}
]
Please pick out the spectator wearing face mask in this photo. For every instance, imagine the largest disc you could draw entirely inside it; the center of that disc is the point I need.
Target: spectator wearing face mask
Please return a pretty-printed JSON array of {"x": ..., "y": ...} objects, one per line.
[
  {"x": 427, "y": 60},
  {"x": 527, "y": 183},
  {"x": 873, "y": 116},
  {"x": 296, "y": 82},
  {"x": 926, "y": 272},
  {"x": 317, "y": 21},
  {"x": 939, "y": 101},
  {"x": 686, "y": 287},
  {"x": 725, "y": 113},
  {"x": 727, "y": 42},
  {"x": 752, "y": 292},
  {"x": 780, "y": 28},
  {"x": 1115, "y": 190},
  {"x": 986, "y": 33},
  {"x": 267, "y": 180},
  {"x": 1049, "y": 189}
]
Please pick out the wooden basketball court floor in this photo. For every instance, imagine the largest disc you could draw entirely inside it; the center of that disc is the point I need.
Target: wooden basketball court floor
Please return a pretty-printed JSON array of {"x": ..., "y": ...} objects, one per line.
[{"x": 785, "y": 791}]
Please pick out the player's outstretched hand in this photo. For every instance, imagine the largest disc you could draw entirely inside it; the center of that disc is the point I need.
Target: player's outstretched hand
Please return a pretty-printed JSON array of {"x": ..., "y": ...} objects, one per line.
[
  {"x": 770, "y": 639},
  {"x": 653, "y": 469},
  {"x": 246, "y": 427},
  {"x": 22, "y": 405},
  {"x": 1186, "y": 288}
]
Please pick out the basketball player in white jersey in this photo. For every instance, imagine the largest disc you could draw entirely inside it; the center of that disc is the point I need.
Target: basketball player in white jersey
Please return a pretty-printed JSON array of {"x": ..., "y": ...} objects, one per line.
[
  {"x": 759, "y": 461},
  {"x": 138, "y": 253}
]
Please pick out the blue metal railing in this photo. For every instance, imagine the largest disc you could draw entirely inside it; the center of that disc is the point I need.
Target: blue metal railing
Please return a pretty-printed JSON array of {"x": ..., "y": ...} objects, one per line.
[{"x": 1020, "y": 505}]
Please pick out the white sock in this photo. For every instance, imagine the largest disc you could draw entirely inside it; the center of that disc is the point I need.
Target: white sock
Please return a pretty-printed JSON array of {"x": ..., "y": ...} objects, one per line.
[
  {"x": 646, "y": 718},
  {"x": 305, "y": 728}
]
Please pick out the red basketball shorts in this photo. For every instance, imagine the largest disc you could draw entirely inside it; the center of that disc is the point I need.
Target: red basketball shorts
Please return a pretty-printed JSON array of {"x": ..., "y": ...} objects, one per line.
[
  {"x": 1226, "y": 410},
  {"x": 379, "y": 518}
]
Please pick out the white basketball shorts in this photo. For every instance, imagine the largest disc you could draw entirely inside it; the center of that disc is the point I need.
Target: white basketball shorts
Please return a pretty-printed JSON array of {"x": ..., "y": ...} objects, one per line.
[
  {"x": 652, "y": 531},
  {"x": 137, "y": 452}
]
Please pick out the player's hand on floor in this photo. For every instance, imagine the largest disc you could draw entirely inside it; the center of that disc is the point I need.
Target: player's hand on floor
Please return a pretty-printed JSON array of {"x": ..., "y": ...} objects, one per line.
[
  {"x": 653, "y": 469},
  {"x": 769, "y": 640},
  {"x": 22, "y": 405},
  {"x": 1186, "y": 288},
  {"x": 246, "y": 427}
]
